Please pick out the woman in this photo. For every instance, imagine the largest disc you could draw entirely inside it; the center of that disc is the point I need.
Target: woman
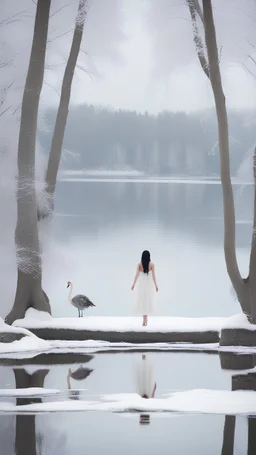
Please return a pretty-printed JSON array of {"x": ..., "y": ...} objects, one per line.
[
  {"x": 146, "y": 285},
  {"x": 145, "y": 383}
]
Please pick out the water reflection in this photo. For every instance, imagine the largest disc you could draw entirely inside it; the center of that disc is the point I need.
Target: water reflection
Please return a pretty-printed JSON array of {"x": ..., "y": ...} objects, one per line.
[
  {"x": 25, "y": 434},
  {"x": 145, "y": 383},
  {"x": 237, "y": 361},
  {"x": 229, "y": 436},
  {"x": 78, "y": 375},
  {"x": 154, "y": 374}
]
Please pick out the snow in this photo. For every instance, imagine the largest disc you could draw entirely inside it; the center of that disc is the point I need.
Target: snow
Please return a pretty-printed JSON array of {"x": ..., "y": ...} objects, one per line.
[
  {"x": 28, "y": 392},
  {"x": 192, "y": 401},
  {"x": 7, "y": 328},
  {"x": 91, "y": 347},
  {"x": 238, "y": 321},
  {"x": 38, "y": 319},
  {"x": 28, "y": 343}
]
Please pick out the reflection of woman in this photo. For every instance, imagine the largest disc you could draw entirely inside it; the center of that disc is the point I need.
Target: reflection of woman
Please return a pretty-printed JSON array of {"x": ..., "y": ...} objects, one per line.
[
  {"x": 145, "y": 383},
  {"x": 145, "y": 288}
]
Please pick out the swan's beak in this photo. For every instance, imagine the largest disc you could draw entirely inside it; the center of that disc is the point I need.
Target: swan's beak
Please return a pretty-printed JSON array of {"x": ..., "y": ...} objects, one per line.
[{"x": 68, "y": 285}]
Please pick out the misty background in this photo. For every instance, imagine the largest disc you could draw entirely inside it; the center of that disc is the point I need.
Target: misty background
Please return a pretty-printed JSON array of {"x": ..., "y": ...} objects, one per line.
[{"x": 141, "y": 111}]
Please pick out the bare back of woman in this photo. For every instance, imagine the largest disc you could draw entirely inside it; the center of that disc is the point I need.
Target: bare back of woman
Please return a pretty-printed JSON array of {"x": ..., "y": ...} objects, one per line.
[{"x": 146, "y": 287}]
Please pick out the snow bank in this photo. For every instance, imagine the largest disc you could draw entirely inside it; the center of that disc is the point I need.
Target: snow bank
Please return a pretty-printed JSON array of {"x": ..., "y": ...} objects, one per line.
[
  {"x": 38, "y": 319},
  {"x": 238, "y": 321},
  {"x": 196, "y": 401},
  {"x": 28, "y": 343},
  {"x": 92, "y": 346}
]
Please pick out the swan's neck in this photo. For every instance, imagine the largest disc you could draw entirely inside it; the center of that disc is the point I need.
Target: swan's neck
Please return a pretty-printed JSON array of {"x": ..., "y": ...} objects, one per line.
[{"x": 70, "y": 292}]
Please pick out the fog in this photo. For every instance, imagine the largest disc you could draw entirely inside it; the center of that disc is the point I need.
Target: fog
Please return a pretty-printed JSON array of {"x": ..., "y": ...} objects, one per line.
[{"x": 135, "y": 56}]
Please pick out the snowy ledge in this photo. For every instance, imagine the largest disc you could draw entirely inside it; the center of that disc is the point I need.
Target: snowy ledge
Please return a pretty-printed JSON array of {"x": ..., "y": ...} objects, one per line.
[
  {"x": 196, "y": 401},
  {"x": 237, "y": 331},
  {"x": 17, "y": 339},
  {"x": 123, "y": 329}
]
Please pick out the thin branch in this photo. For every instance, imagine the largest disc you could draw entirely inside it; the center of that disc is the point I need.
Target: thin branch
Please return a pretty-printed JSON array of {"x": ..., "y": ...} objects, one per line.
[
  {"x": 57, "y": 37},
  {"x": 82, "y": 69},
  {"x": 249, "y": 71},
  {"x": 61, "y": 8},
  {"x": 252, "y": 59},
  {"x": 4, "y": 21},
  {"x": 3, "y": 112}
]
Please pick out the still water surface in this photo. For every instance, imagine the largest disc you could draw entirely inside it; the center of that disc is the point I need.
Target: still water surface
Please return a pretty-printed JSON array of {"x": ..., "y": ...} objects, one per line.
[
  {"x": 99, "y": 233},
  {"x": 101, "y": 229},
  {"x": 69, "y": 433}
]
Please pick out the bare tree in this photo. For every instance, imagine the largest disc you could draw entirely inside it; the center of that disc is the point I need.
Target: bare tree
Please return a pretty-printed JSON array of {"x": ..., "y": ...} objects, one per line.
[
  {"x": 29, "y": 291},
  {"x": 245, "y": 287},
  {"x": 62, "y": 114}
]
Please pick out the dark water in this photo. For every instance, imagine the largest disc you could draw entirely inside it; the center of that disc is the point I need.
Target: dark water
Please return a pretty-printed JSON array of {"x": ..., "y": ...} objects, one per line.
[{"x": 105, "y": 432}]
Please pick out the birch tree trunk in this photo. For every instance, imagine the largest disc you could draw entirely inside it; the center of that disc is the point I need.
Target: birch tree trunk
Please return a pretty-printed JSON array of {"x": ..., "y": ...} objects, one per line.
[
  {"x": 210, "y": 66},
  {"x": 29, "y": 291},
  {"x": 62, "y": 114},
  {"x": 240, "y": 285}
]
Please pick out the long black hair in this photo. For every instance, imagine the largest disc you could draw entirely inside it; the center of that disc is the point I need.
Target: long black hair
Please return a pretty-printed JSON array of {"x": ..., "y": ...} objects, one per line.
[{"x": 145, "y": 260}]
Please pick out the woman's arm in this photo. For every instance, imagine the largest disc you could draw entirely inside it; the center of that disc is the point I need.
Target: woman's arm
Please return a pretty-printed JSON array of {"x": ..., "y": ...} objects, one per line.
[
  {"x": 136, "y": 276},
  {"x": 154, "y": 277}
]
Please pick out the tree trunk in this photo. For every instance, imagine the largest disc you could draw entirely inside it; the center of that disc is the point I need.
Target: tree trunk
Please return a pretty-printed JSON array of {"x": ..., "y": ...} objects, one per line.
[
  {"x": 228, "y": 435},
  {"x": 25, "y": 440},
  {"x": 62, "y": 114},
  {"x": 251, "y": 436},
  {"x": 29, "y": 289},
  {"x": 252, "y": 268},
  {"x": 239, "y": 284}
]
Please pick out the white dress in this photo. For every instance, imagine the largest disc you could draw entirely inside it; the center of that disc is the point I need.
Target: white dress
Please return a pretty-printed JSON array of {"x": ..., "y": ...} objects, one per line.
[
  {"x": 145, "y": 293},
  {"x": 145, "y": 378}
]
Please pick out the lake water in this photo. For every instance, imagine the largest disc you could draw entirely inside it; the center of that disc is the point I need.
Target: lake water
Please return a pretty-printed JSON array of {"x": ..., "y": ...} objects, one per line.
[
  {"x": 96, "y": 432},
  {"x": 102, "y": 226},
  {"x": 98, "y": 234}
]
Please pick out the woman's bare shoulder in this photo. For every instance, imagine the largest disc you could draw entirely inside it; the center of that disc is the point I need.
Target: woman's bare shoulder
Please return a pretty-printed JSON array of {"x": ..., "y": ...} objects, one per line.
[{"x": 152, "y": 265}]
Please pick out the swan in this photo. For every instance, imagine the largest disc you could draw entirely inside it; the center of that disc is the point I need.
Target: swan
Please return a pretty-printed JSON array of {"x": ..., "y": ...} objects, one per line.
[{"x": 80, "y": 301}]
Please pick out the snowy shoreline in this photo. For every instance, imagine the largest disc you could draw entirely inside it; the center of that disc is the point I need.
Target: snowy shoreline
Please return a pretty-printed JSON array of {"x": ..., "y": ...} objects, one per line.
[
  {"x": 38, "y": 320},
  {"x": 123, "y": 329},
  {"x": 39, "y": 333}
]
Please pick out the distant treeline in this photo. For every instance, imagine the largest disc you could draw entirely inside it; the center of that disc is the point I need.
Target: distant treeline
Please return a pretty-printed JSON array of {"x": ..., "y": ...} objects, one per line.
[{"x": 168, "y": 143}]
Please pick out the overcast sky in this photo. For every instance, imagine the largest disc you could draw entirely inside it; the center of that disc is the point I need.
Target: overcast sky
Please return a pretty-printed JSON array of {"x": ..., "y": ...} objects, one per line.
[{"x": 140, "y": 55}]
